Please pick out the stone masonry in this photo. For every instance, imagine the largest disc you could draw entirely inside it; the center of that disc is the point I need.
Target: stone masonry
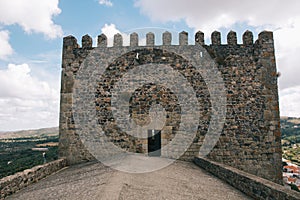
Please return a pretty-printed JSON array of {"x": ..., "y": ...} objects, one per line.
[
  {"x": 250, "y": 139},
  {"x": 20, "y": 180}
]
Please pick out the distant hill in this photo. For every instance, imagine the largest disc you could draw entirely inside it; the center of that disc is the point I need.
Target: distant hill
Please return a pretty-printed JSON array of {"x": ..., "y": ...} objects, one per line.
[
  {"x": 30, "y": 133},
  {"x": 290, "y": 120},
  {"x": 17, "y": 149},
  {"x": 290, "y": 127}
]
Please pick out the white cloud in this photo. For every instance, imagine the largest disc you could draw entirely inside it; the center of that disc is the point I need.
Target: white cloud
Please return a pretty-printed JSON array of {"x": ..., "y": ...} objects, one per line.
[
  {"x": 26, "y": 102},
  {"x": 32, "y": 15},
  {"x": 5, "y": 49},
  {"x": 289, "y": 102},
  {"x": 110, "y": 30},
  {"x": 281, "y": 17},
  {"x": 287, "y": 45},
  {"x": 106, "y": 2},
  {"x": 213, "y": 14}
]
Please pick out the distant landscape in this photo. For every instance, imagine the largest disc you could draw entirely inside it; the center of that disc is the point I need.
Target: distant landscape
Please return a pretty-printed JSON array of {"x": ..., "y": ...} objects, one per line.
[
  {"x": 16, "y": 152},
  {"x": 290, "y": 138},
  {"x": 24, "y": 149},
  {"x": 30, "y": 133}
]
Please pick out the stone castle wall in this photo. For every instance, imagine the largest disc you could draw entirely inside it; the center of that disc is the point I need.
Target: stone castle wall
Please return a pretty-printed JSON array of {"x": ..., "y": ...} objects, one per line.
[
  {"x": 254, "y": 186},
  {"x": 20, "y": 180},
  {"x": 250, "y": 138}
]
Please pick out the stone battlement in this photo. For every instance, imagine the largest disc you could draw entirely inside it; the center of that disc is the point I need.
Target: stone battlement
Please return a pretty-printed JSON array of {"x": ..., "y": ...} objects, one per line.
[{"x": 247, "y": 38}]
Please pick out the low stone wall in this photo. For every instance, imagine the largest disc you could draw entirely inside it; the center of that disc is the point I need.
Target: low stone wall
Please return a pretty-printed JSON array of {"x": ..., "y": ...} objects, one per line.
[
  {"x": 13, "y": 183},
  {"x": 252, "y": 185}
]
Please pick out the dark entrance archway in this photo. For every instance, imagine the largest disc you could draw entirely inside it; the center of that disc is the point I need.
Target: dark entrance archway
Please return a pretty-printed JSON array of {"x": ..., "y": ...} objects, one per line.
[{"x": 154, "y": 143}]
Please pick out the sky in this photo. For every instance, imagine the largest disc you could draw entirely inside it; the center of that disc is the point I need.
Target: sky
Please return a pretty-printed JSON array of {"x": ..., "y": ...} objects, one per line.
[{"x": 31, "y": 33}]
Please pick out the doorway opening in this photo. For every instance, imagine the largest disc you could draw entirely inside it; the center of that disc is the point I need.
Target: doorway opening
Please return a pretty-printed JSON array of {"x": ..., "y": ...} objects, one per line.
[{"x": 154, "y": 143}]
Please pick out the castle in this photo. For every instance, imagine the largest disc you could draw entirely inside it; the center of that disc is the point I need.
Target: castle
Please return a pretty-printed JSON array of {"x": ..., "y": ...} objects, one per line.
[{"x": 235, "y": 98}]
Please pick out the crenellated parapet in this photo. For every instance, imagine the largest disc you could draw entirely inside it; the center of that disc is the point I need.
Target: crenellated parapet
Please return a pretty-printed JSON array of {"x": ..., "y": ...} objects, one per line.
[{"x": 247, "y": 39}]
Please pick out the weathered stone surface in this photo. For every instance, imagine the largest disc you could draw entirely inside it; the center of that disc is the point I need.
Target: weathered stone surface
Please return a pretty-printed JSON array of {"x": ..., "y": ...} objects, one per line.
[
  {"x": 167, "y": 38},
  {"x": 134, "y": 39},
  {"x": 199, "y": 38},
  {"x": 118, "y": 40},
  {"x": 90, "y": 181},
  {"x": 150, "y": 39},
  {"x": 183, "y": 38},
  {"x": 231, "y": 38},
  {"x": 254, "y": 186},
  {"x": 216, "y": 38},
  {"x": 87, "y": 41},
  {"x": 102, "y": 41},
  {"x": 248, "y": 38}
]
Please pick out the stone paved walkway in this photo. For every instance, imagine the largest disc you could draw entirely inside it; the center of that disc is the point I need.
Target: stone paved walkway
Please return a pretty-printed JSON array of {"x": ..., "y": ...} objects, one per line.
[{"x": 93, "y": 181}]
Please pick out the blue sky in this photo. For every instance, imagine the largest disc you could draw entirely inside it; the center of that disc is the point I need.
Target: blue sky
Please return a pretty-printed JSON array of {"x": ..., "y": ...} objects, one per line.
[{"x": 31, "y": 33}]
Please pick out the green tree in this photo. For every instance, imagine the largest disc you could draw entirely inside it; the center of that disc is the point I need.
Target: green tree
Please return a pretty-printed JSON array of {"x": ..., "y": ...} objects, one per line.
[{"x": 294, "y": 187}]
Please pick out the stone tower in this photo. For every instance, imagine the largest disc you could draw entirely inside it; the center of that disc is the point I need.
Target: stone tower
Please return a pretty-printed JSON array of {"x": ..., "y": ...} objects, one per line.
[{"x": 250, "y": 137}]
